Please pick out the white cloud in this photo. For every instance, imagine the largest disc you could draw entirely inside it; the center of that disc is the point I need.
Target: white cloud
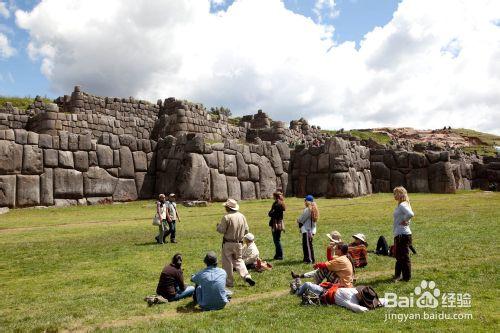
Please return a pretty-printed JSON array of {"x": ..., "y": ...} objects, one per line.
[
  {"x": 325, "y": 6},
  {"x": 3, "y": 10},
  {"x": 6, "y": 51},
  {"x": 433, "y": 64}
]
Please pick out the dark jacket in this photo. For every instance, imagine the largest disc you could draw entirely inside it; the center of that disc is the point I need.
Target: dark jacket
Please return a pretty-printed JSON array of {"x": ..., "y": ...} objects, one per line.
[
  {"x": 170, "y": 277},
  {"x": 276, "y": 212}
]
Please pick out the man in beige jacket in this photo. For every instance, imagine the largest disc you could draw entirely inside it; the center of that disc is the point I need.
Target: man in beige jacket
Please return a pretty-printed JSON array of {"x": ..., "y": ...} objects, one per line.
[{"x": 233, "y": 226}]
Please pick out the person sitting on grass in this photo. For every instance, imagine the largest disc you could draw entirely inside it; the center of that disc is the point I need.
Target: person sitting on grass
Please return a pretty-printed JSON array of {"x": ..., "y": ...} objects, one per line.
[
  {"x": 324, "y": 274},
  {"x": 340, "y": 268},
  {"x": 359, "y": 299},
  {"x": 210, "y": 291},
  {"x": 358, "y": 252},
  {"x": 171, "y": 286},
  {"x": 250, "y": 253}
]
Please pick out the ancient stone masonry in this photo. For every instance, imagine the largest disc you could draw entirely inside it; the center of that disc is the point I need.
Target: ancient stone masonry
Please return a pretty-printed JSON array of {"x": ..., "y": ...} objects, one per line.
[
  {"x": 177, "y": 117},
  {"x": 86, "y": 149},
  {"x": 69, "y": 169},
  {"x": 339, "y": 168},
  {"x": 430, "y": 171},
  {"x": 195, "y": 169},
  {"x": 85, "y": 113},
  {"x": 487, "y": 174}
]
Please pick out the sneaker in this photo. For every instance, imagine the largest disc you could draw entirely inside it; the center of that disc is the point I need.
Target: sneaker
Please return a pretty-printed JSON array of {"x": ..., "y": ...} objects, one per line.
[
  {"x": 150, "y": 300},
  {"x": 173, "y": 241},
  {"x": 294, "y": 275},
  {"x": 250, "y": 281},
  {"x": 157, "y": 239},
  {"x": 294, "y": 285}
]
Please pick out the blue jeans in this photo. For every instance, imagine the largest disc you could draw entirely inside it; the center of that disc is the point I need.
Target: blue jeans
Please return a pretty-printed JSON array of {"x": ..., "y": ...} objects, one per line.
[
  {"x": 311, "y": 287},
  {"x": 277, "y": 244},
  {"x": 183, "y": 294},
  {"x": 171, "y": 231}
]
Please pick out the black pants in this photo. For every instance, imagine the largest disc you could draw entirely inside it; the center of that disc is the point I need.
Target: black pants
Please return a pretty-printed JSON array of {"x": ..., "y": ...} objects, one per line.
[
  {"x": 382, "y": 246},
  {"x": 403, "y": 264},
  {"x": 171, "y": 231},
  {"x": 307, "y": 247},
  {"x": 278, "y": 253}
]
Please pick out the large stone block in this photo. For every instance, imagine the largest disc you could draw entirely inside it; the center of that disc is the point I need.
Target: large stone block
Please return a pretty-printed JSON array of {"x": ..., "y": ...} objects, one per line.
[
  {"x": 336, "y": 147},
  {"x": 317, "y": 184},
  {"x": 21, "y": 136},
  {"x": 140, "y": 161},
  {"x": 68, "y": 184},
  {"x": 47, "y": 187},
  {"x": 417, "y": 160},
  {"x": 73, "y": 141},
  {"x": 32, "y": 160},
  {"x": 284, "y": 150},
  {"x": 126, "y": 169},
  {"x": 97, "y": 182},
  {"x": 51, "y": 158},
  {"x": 125, "y": 190},
  {"x": 66, "y": 159},
  {"x": 267, "y": 178},
  {"x": 8, "y": 191},
  {"x": 397, "y": 179},
  {"x": 212, "y": 160},
  {"x": 81, "y": 160},
  {"x": 233, "y": 188},
  {"x": 45, "y": 141},
  {"x": 380, "y": 185},
  {"x": 194, "y": 178},
  {"x": 230, "y": 165},
  {"x": 85, "y": 141},
  {"x": 33, "y": 138},
  {"x": 218, "y": 185},
  {"x": 247, "y": 190},
  {"x": 341, "y": 185},
  {"x": 441, "y": 179},
  {"x": 242, "y": 167},
  {"x": 11, "y": 157},
  {"x": 253, "y": 172},
  {"x": 380, "y": 171},
  {"x": 28, "y": 190},
  {"x": 105, "y": 156},
  {"x": 323, "y": 163},
  {"x": 417, "y": 180},
  {"x": 275, "y": 160},
  {"x": 145, "y": 185}
]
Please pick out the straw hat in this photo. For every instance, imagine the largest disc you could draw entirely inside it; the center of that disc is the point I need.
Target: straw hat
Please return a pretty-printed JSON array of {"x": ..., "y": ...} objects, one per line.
[
  {"x": 361, "y": 237},
  {"x": 334, "y": 236},
  {"x": 231, "y": 204}
]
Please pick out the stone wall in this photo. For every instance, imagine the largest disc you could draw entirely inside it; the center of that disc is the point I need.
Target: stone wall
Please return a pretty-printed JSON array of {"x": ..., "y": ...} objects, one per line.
[
  {"x": 12, "y": 117},
  {"x": 487, "y": 174},
  {"x": 194, "y": 169},
  {"x": 178, "y": 117},
  {"x": 339, "y": 168},
  {"x": 40, "y": 169},
  {"x": 417, "y": 172},
  {"x": 85, "y": 113}
]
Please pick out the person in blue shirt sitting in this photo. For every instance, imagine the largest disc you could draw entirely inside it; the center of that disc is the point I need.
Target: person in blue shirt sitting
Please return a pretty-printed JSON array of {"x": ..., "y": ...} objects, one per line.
[{"x": 210, "y": 290}]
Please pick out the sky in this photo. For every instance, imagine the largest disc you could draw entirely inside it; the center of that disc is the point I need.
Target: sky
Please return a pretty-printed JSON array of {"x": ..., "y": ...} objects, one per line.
[{"x": 339, "y": 63}]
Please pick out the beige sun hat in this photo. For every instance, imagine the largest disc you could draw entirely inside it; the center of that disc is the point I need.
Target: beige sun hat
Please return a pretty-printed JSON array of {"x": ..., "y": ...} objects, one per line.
[
  {"x": 361, "y": 237},
  {"x": 250, "y": 237},
  {"x": 334, "y": 236},
  {"x": 231, "y": 204}
]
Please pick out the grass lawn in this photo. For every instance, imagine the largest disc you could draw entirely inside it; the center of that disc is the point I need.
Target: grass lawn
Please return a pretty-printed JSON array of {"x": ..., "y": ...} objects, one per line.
[{"x": 88, "y": 268}]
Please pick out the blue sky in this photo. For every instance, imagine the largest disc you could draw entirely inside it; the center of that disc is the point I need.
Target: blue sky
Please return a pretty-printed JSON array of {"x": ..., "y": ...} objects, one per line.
[
  {"x": 21, "y": 76},
  {"x": 343, "y": 63}
]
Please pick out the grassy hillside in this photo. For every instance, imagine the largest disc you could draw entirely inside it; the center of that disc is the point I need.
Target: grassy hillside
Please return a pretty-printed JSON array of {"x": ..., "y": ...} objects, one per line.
[
  {"x": 486, "y": 146},
  {"x": 380, "y": 138},
  {"x": 88, "y": 268},
  {"x": 20, "y": 102}
]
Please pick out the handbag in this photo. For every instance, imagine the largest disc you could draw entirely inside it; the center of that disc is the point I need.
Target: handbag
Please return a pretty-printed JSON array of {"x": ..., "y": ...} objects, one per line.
[
  {"x": 156, "y": 220},
  {"x": 278, "y": 225}
]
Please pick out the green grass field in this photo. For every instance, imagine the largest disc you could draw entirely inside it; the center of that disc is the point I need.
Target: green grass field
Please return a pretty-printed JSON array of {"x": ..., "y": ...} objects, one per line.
[
  {"x": 88, "y": 268},
  {"x": 20, "y": 102}
]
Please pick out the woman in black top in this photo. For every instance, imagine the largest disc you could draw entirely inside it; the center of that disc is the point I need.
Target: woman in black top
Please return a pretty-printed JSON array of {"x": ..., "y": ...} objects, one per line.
[{"x": 276, "y": 223}]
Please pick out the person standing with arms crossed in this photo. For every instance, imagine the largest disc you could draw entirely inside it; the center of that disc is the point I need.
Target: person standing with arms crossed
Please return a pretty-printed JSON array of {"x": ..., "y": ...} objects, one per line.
[
  {"x": 276, "y": 223},
  {"x": 233, "y": 226},
  {"x": 402, "y": 234}
]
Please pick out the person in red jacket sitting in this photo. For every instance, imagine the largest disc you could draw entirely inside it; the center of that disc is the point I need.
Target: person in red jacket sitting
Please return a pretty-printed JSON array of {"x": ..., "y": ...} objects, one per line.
[{"x": 358, "y": 252}]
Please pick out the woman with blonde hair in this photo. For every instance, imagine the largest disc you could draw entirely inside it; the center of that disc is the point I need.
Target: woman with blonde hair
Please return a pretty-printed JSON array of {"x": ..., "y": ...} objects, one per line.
[
  {"x": 402, "y": 234},
  {"x": 307, "y": 224}
]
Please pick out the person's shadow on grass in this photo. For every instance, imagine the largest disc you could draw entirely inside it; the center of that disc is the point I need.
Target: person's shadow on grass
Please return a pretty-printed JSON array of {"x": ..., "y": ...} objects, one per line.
[
  {"x": 188, "y": 308},
  {"x": 146, "y": 243}
]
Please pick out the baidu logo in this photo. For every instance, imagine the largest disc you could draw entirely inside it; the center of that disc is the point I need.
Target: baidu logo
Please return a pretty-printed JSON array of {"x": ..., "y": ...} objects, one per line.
[{"x": 427, "y": 295}]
